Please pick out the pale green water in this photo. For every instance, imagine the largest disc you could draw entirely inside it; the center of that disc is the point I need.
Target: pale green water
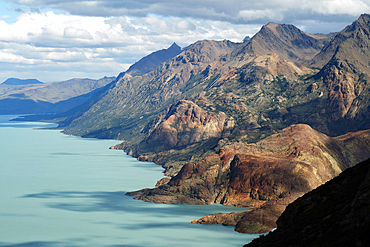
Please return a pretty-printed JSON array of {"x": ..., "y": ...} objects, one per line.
[{"x": 58, "y": 190}]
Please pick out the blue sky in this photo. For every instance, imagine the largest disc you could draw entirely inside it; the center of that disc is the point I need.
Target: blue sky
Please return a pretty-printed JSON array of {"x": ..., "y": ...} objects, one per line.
[
  {"x": 53, "y": 40},
  {"x": 6, "y": 12}
]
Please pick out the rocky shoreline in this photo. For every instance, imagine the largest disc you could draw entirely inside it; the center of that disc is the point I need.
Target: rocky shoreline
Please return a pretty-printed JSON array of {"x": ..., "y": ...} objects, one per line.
[{"x": 265, "y": 176}]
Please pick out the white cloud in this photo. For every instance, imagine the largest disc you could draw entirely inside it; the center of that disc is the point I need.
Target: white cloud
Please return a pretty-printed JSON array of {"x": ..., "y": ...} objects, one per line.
[
  {"x": 39, "y": 42},
  {"x": 337, "y": 7},
  {"x": 273, "y": 14},
  {"x": 234, "y": 11},
  {"x": 6, "y": 57},
  {"x": 71, "y": 32}
]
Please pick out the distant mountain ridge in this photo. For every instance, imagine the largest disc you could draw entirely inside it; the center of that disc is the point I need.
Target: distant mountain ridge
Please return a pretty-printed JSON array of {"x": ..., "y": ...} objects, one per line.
[
  {"x": 51, "y": 98},
  {"x": 16, "y": 81}
]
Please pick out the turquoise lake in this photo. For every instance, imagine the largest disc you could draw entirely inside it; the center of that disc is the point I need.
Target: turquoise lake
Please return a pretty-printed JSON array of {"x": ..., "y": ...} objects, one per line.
[{"x": 58, "y": 190}]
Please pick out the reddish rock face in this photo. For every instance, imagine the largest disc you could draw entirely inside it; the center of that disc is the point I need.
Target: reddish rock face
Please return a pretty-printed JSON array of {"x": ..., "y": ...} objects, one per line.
[
  {"x": 265, "y": 176},
  {"x": 182, "y": 124}
]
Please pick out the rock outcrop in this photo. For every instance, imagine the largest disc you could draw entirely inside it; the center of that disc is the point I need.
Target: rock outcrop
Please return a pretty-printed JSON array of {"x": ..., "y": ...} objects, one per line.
[{"x": 183, "y": 123}]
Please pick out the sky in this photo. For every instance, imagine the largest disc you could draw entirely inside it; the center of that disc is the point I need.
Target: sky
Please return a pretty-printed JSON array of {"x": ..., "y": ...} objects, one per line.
[{"x": 55, "y": 40}]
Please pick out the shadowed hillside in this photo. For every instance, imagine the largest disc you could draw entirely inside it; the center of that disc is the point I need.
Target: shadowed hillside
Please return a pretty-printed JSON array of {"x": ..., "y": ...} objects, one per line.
[{"x": 335, "y": 214}]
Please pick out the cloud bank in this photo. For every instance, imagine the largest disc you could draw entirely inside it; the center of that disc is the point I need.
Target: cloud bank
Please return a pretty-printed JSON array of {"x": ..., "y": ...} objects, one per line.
[
  {"x": 60, "y": 39},
  {"x": 233, "y": 11}
]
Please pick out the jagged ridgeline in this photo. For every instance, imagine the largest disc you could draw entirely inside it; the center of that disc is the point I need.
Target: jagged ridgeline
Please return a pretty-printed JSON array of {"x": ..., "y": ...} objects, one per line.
[
  {"x": 279, "y": 77},
  {"x": 255, "y": 124}
]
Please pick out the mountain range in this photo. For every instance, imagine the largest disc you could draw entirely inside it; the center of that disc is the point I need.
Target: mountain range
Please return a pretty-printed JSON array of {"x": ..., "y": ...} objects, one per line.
[{"x": 255, "y": 124}]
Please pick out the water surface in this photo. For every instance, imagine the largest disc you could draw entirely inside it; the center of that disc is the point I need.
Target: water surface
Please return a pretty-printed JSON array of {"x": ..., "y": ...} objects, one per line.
[{"x": 59, "y": 190}]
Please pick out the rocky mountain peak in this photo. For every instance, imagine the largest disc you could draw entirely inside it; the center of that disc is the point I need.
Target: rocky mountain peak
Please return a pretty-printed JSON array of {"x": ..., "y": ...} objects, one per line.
[
  {"x": 360, "y": 27},
  {"x": 174, "y": 46},
  {"x": 153, "y": 60},
  {"x": 286, "y": 40},
  {"x": 362, "y": 21}
]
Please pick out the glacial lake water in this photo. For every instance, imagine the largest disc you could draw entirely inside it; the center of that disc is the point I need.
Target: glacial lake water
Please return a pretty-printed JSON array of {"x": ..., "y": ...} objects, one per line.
[{"x": 58, "y": 190}]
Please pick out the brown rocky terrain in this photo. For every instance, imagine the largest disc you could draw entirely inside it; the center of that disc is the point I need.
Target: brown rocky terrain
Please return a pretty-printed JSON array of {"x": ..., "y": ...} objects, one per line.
[
  {"x": 265, "y": 176},
  {"x": 182, "y": 124}
]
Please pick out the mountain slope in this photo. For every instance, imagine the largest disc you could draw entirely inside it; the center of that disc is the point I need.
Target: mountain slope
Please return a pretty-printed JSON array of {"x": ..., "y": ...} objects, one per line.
[
  {"x": 331, "y": 47},
  {"x": 335, "y": 214},
  {"x": 133, "y": 101},
  {"x": 341, "y": 86},
  {"x": 343, "y": 80},
  {"x": 348, "y": 71}
]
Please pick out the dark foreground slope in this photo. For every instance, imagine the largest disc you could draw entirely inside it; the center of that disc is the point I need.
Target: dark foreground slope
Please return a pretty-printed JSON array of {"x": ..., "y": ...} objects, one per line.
[{"x": 335, "y": 214}]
